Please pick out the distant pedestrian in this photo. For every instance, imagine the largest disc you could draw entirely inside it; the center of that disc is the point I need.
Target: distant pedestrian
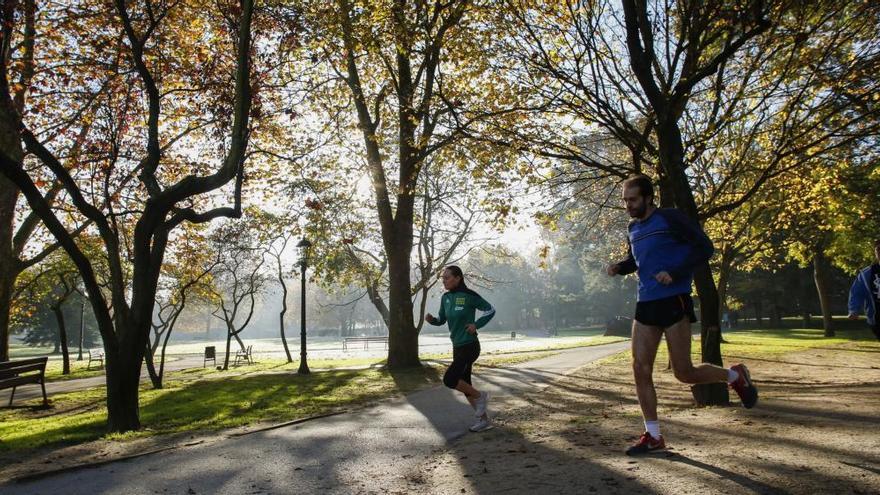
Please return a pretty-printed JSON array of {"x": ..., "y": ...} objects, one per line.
[
  {"x": 864, "y": 295},
  {"x": 458, "y": 307}
]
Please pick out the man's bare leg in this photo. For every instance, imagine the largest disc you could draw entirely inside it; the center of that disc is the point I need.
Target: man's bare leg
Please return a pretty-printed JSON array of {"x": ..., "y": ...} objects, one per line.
[
  {"x": 645, "y": 341},
  {"x": 678, "y": 341}
]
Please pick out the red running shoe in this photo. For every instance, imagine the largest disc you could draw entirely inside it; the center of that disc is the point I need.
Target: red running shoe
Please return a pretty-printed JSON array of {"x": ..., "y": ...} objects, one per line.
[
  {"x": 646, "y": 444},
  {"x": 744, "y": 387}
]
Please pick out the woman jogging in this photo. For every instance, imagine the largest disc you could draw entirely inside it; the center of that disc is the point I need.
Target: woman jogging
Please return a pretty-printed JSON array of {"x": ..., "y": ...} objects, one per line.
[{"x": 458, "y": 307}]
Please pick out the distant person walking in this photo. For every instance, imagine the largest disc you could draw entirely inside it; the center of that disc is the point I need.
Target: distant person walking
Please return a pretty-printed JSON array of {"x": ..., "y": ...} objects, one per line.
[
  {"x": 664, "y": 248},
  {"x": 864, "y": 295},
  {"x": 458, "y": 307}
]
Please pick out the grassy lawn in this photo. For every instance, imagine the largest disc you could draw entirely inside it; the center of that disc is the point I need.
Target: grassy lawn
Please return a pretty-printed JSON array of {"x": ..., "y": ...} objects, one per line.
[
  {"x": 21, "y": 351},
  {"x": 54, "y": 366},
  {"x": 751, "y": 343},
  {"x": 77, "y": 370},
  {"x": 496, "y": 360},
  {"x": 207, "y": 403}
]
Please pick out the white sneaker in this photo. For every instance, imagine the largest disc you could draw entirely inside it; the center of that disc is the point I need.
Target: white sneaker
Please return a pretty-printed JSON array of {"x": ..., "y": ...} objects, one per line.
[
  {"x": 481, "y": 404},
  {"x": 482, "y": 424}
]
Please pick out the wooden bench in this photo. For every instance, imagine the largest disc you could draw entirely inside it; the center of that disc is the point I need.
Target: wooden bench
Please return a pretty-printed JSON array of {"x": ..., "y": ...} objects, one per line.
[
  {"x": 22, "y": 372},
  {"x": 245, "y": 355},
  {"x": 366, "y": 340},
  {"x": 210, "y": 353},
  {"x": 95, "y": 355}
]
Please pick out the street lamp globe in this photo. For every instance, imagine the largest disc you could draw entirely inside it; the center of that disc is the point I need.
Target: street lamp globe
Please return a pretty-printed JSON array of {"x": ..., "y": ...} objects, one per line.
[{"x": 303, "y": 249}]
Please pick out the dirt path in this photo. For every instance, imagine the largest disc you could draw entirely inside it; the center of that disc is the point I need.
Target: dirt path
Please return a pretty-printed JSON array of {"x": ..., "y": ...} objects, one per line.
[{"x": 814, "y": 431}]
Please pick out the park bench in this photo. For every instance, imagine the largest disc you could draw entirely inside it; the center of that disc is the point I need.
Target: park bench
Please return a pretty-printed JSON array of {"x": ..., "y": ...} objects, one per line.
[
  {"x": 22, "y": 372},
  {"x": 210, "y": 353},
  {"x": 366, "y": 340},
  {"x": 95, "y": 355},
  {"x": 245, "y": 355}
]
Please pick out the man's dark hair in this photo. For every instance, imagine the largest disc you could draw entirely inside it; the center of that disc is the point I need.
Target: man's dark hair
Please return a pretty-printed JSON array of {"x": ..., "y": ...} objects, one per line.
[{"x": 643, "y": 182}]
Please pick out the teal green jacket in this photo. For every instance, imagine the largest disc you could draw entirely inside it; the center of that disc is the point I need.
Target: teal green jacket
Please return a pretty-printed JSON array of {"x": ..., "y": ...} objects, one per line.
[{"x": 459, "y": 307}]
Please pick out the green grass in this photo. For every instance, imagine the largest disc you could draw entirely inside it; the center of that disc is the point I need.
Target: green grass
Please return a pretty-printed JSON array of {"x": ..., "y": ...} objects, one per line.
[
  {"x": 496, "y": 360},
  {"x": 187, "y": 404},
  {"x": 77, "y": 370},
  {"x": 775, "y": 342},
  {"x": 772, "y": 343},
  {"x": 20, "y": 351},
  {"x": 54, "y": 365}
]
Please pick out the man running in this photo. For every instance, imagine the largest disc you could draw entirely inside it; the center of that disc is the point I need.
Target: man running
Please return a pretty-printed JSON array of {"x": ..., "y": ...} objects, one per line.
[
  {"x": 665, "y": 247},
  {"x": 864, "y": 295}
]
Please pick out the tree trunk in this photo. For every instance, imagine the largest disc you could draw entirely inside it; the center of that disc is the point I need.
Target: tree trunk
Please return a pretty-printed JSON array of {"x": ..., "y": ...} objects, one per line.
[
  {"x": 723, "y": 282},
  {"x": 379, "y": 303},
  {"x": 403, "y": 340},
  {"x": 238, "y": 339},
  {"x": 776, "y": 316},
  {"x": 820, "y": 275},
  {"x": 759, "y": 313},
  {"x": 8, "y": 273},
  {"x": 62, "y": 338},
  {"x": 7, "y": 281},
  {"x": 229, "y": 335},
  {"x": 672, "y": 161},
  {"x": 123, "y": 382},
  {"x": 149, "y": 357},
  {"x": 806, "y": 318},
  {"x": 281, "y": 316}
]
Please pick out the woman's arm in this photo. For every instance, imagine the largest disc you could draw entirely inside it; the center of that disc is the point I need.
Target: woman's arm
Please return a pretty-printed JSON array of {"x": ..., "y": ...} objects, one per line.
[
  {"x": 441, "y": 316},
  {"x": 488, "y": 312}
]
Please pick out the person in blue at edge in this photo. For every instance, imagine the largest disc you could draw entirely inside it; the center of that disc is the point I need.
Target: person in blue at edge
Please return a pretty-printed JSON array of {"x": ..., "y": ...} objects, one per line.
[
  {"x": 458, "y": 307},
  {"x": 664, "y": 248},
  {"x": 864, "y": 295}
]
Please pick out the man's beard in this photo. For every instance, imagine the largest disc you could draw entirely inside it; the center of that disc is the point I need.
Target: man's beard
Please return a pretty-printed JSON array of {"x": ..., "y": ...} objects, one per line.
[{"x": 638, "y": 212}]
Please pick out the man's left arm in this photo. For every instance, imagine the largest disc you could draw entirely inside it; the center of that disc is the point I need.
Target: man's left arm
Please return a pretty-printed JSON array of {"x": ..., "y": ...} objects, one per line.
[{"x": 692, "y": 233}]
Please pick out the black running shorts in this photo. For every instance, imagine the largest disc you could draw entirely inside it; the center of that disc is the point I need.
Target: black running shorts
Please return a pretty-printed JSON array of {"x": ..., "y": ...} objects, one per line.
[
  {"x": 463, "y": 358},
  {"x": 665, "y": 312}
]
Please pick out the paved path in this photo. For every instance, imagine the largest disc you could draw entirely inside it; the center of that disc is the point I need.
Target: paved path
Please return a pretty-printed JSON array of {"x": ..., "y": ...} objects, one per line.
[{"x": 357, "y": 452}]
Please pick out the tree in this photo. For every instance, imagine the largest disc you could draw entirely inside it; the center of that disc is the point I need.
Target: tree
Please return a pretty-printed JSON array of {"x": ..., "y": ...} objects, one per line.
[
  {"x": 404, "y": 68},
  {"x": 717, "y": 98},
  {"x": 51, "y": 288},
  {"x": 22, "y": 240},
  {"x": 186, "y": 270},
  {"x": 276, "y": 252},
  {"x": 167, "y": 195},
  {"x": 238, "y": 278}
]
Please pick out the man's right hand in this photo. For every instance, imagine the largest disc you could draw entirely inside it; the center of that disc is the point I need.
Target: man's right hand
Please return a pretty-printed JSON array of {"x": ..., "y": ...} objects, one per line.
[
  {"x": 612, "y": 269},
  {"x": 430, "y": 318}
]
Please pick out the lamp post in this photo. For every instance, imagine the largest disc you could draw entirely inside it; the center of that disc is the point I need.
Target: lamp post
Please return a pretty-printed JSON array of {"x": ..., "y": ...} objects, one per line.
[
  {"x": 82, "y": 309},
  {"x": 303, "y": 248}
]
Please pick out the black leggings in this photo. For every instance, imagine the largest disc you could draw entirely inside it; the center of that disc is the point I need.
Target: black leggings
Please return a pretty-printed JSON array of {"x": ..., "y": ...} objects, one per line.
[{"x": 463, "y": 358}]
